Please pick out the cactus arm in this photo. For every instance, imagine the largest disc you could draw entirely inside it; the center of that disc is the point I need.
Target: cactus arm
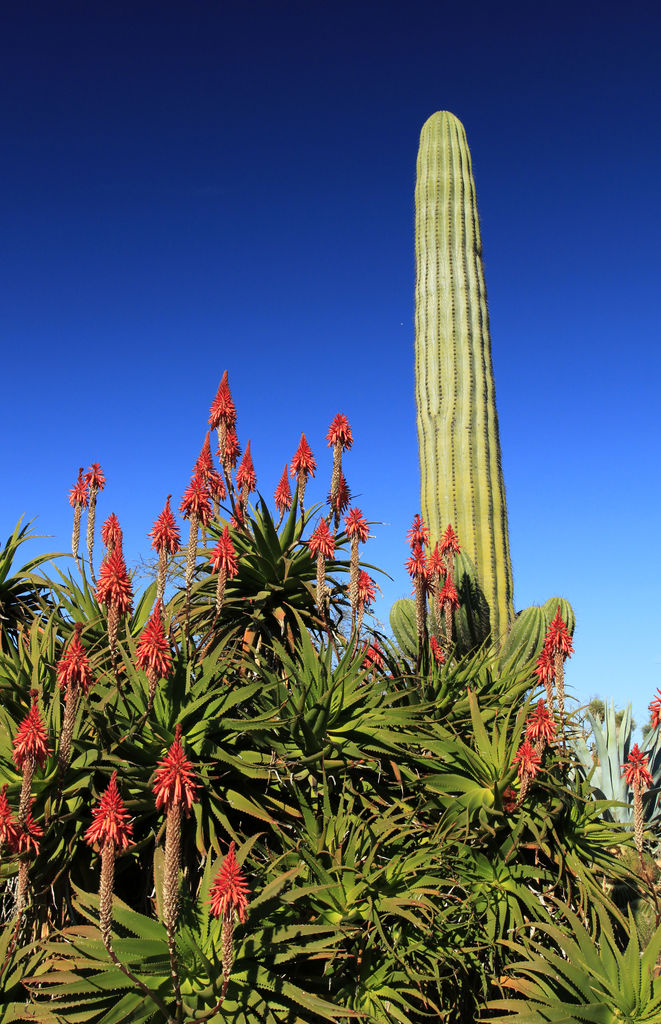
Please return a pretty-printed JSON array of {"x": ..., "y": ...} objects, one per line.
[{"x": 461, "y": 474}]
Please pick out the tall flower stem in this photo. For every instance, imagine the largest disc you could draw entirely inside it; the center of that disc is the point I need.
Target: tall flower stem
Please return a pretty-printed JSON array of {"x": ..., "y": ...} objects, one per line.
[
  {"x": 191, "y": 555},
  {"x": 171, "y": 892}
]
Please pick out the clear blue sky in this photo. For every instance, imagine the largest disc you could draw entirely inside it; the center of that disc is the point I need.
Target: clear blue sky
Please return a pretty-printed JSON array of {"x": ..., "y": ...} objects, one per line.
[{"x": 188, "y": 188}]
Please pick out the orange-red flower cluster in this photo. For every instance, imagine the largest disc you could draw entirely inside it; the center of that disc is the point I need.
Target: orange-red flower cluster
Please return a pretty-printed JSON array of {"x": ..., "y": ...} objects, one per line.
[
  {"x": 418, "y": 535},
  {"x": 31, "y": 739},
  {"x": 448, "y": 594},
  {"x": 366, "y": 589},
  {"x": 437, "y": 651},
  {"x": 558, "y": 638},
  {"x": 94, "y": 477},
  {"x": 176, "y": 783},
  {"x": 196, "y": 501},
  {"x": 636, "y": 771},
  {"x": 9, "y": 827},
  {"x": 540, "y": 725},
  {"x": 282, "y": 496},
  {"x": 153, "y": 650},
  {"x": 339, "y": 432},
  {"x": 222, "y": 409},
  {"x": 30, "y": 834},
  {"x": 416, "y": 565},
  {"x": 356, "y": 525},
  {"x": 73, "y": 667},
  {"x": 449, "y": 541},
  {"x": 232, "y": 447},
  {"x": 245, "y": 474},
  {"x": 545, "y": 667},
  {"x": 223, "y": 555},
  {"x": 111, "y": 532},
  {"x": 165, "y": 532},
  {"x": 373, "y": 656},
  {"x": 527, "y": 759},
  {"x": 321, "y": 541},
  {"x": 303, "y": 462},
  {"x": 655, "y": 709},
  {"x": 114, "y": 586},
  {"x": 78, "y": 494},
  {"x": 342, "y": 498},
  {"x": 110, "y": 820},
  {"x": 229, "y": 890}
]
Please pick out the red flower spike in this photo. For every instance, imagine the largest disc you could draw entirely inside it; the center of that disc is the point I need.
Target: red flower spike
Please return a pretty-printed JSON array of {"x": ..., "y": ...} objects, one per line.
[
  {"x": 31, "y": 739},
  {"x": 114, "y": 585},
  {"x": 223, "y": 555},
  {"x": 303, "y": 461},
  {"x": 655, "y": 709},
  {"x": 448, "y": 594},
  {"x": 373, "y": 656},
  {"x": 73, "y": 668},
  {"x": 527, "y": 760},
  {"x": 94, "y": 477},
  {"x": 196, "y": 500},
  {"x": 29, "y": 834},
  {"x": 356, "y": 525},
  {"x": 165, "y": 532},
  {"x": 232, "y": 448},
  {"x": 416, "y": 565},
  {"x": 229, "y": 891},
  {"x": 204, "y": 461},
  {"x": 153, "y": 650},
  {"x": 322, "y": 541},
  {"x": 366, "y": 589},
  {"x": 449, "y": 541},
  {"x": 342, "y": 498},
  {"x": 175, "y": 783},
  {"x": 215, "y": 485},
  {"x": 418, "y": 535},
  {"x": 222, "y": 409},
  {"x": 339, "y": 432},
  {"x": 282, "y": 496},
  {"x": 111, "y": 532},
  {"x": 245, "y": 474},
  {"x": 9, "y": 827},
  {"x": 636, "y": 771},
  {"x": 545, "y": 667},
  {"x": 558, "y": 638},
  {"x": 437, "y": 651},
  {"x": 110, "y": 820},
  {"x": 78, "y": 494},
  {"x": 540, "y": 725},
  {"x": 436, "y": 565}
]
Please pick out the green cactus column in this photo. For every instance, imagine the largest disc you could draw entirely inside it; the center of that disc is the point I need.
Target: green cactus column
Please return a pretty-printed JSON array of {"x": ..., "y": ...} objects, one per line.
[{"x": 461, "y": 474}]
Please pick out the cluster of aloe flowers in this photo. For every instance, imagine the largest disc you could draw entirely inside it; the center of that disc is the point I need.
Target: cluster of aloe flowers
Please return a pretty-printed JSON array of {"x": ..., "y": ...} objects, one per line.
[{"x": 433, "y": 579}]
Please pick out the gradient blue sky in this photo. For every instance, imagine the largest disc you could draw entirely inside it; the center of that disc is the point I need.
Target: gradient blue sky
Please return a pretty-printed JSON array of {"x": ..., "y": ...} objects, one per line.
[{"x": 188, "y": 188}]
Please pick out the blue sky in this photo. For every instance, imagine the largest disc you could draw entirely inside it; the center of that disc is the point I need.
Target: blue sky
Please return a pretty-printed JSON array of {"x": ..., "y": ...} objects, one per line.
[{"x": 193, "y": 188}]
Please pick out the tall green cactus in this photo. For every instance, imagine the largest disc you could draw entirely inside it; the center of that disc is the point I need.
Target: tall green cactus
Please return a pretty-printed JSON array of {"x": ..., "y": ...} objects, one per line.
[{"x": 461, "y": 474}]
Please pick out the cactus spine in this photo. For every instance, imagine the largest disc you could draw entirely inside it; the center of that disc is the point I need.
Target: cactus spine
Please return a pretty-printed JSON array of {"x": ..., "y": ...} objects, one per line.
[{"x": 461, "y": 475}]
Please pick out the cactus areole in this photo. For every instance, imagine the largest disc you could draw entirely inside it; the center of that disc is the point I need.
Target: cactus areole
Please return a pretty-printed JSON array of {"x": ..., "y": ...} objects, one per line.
[{"x": 461, "y": 475}]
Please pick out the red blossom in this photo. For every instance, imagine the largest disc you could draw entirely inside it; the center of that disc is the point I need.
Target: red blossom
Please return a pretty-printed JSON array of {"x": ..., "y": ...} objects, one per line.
[
  {"x": 449, "y": 541},
  {"x": 175, "y": 779},
  {"x": 222, "y": 409},
  {"x": 94, "y": 477},
  {"x": 204, "y": 461},
  {"x": 282, "y": 496},
  {"x": 110, "y": 820},
  {"x": 418, "y": 535},
  {"x": 416, "y": 565},
  {"x": 78, "y": 494},
  {"x": 232, "y": 448},
  {"x": 366, "y": 589},
  {"x": 229, "y": 890},
  {"x": 216, "y": 485},
  {"x": 545, "y": 667},
  {"x": 437, "y": 651},
  {"x": 356, "y": 525},
  {"x": 448, "y": 594},
  {"x": 153, "y": 650},
  {"x": 339, "y": 432},
  {"x": 245, "y": 474},
  {"x": 73, "y": 667},
  {"x": 9, "y": 827},
  {"x": 165, "y": 532},
  {"x": 636, "y": 772},
  {"x": 342, "y": 498},
  {"x": 322, "y": 541},
  {"x": 111, "y": 532},
  {"x": 558, "y": 638},
  {"x": 29, "y": 834},
  {"x": 527, "y": 759},
  {"x": 540, "y": 725},
  {"x": 31, "y": 739},
  {"x": 303, "y": 462},
  {"x": 223, "y": 555},
  {"x": 373, "y": 656},
  {"x": 196, "y": 501},
  {"x": 114, "y": 586},
  {"x": 655, "y": 709},
  {"x": 436, "y": 565}
]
